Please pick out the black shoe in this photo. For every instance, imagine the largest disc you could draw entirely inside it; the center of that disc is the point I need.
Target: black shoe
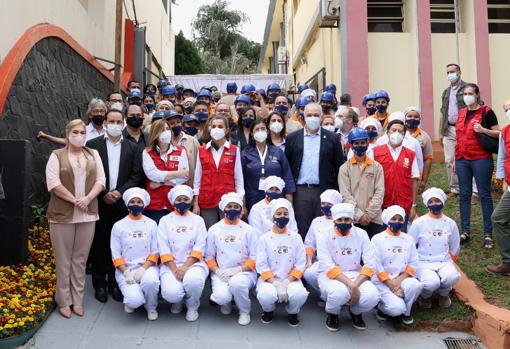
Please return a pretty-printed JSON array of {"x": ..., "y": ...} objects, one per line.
[
  {"x": 101, "y": 295},
  {"x": 464, "y": 237},
  {"x": 116, "y": 294},
  {"x": 293, "y": 320},
  {"x": 381, "y": 316},
  {"x": 332, "y": 322},
  {"x": 358, "y": 322},
  {"x": 407, "y": 319},
  {"x": 267, "y": 317}
]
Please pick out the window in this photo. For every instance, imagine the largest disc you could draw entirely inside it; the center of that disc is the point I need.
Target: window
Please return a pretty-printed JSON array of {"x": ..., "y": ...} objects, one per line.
[
  {"x": 318, "y": 81},
  {"x": 442, "y": 16},
  {"x": 385, "y": 16},
  {"x": 499, "y": 16}
]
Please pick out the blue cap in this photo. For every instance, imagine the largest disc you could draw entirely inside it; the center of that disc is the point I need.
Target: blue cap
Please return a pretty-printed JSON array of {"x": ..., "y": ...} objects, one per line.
[
  {"x": 368, "y": 97},
  {"x": 302, "y": 87},
  {"x": 187, "y": 89},
  {"x": 331, "y": 88},
  {"x": 327, "y": 97},
  {"x": 302, "y": 102},
  {"x": 161, "y": 84},
  {"x": 168, "y": 90},
  {"x": 273, "y": 86},
  {"x": 357, "y": 134},
  {"x": 231, "y": 87},
  {"x": 204, "y": 93},
  {"x": 382, "y": 94},
  {"x": 206, "y": 88},
  {"x": 135, "y": 94},
  {"x": 248, "y": 88},
  {"x": 262, "y": 92},
  {"x": 242, "y": 98},
  {"x": 179, "y": 87},
  {"x": 168, "y": 114},
  {"x": 158, "y": 115},
  {"x": 189, "y": 117}
]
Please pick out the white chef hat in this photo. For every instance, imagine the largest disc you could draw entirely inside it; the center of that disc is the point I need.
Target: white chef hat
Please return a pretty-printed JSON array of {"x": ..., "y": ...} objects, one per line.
[
  {"x": 228, "y": 198},
  {"x": 433, "y": 193},
  {"x": 397, "y": 115},
  {"x": 371, "y": 122},
  {"x": 409, "y": 109},
  {"x": 309, "y": 92},
  {"x": 342, "y": 210},
  {"x": 136, "y": 192},
  {"x": 179, "y": 190},
  {"x": 273, "y": 181},
  {"x": 279, "y": 203},
  {"x": 391, "y": 211},
  {"x": 332, "y": 196}
]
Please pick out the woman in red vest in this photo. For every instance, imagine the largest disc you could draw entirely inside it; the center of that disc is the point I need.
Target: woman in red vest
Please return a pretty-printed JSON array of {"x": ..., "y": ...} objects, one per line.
[
  {"x": 165, "y": 166},
  {"x": 471, "y": 160},
  {"x": 218, "y": 170}
]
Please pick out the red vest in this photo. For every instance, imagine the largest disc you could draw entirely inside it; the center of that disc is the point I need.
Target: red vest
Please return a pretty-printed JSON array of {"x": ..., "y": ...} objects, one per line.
[
  {"x": 216, "y": 181},
  {"x": 468, "y": 146},
  {"x": 398, "y": 184},
  {"x": 159, "y": 196},
  {"x": 505, "y": 135}
]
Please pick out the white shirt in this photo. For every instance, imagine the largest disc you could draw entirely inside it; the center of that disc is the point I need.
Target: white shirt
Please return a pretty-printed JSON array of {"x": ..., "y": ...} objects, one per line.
[
  {"x": 238, "y": 170},
  {"x": 134, "y": 241},
  {"x": 409, "y": 142},
  {"x": 113, "y": 151},
  {"x": 261, "y": 220},
  {"x": 437, "y": 240},
  {"x": 231, "y": 245},
  {"x": 395, "y": 153},
  {"x": 157, "y": 175},
  {"x": 319, "y": 227},
  {"x": 92, "y": 132},
  {"x": 280, "y": 255}
]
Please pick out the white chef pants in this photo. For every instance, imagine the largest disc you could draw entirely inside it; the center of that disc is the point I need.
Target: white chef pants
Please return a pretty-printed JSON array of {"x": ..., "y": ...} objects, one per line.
[
  {"x": 238, "y": 287},
  {"x": 267, "y": 296},
  {"x": 143, "y": 293},
  {"x": 188, "y": 290}
]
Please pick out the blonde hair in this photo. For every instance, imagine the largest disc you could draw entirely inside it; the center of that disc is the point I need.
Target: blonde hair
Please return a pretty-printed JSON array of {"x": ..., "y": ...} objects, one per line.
[
  {"x": 72, "y": 124},
  {"x": 157, "y": 127}
]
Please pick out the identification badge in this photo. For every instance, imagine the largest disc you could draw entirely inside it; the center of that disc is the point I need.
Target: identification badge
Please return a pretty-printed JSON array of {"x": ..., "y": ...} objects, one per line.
[{"x": 261, "y": 183}]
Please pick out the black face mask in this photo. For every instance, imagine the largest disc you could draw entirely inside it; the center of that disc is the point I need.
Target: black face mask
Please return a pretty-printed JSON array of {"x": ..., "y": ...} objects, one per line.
[
  {"x": 97, "y": 120},
  {"x": 134, "y": 122}
]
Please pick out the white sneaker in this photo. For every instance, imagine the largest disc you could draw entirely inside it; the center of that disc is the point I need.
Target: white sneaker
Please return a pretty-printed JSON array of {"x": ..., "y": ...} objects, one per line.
[
  {"x": 191, "y": 315},
  {"x": 226, "y": 309},
  {"x": 152, "y": 315},
  {"x": 176, "y": 308},
  {"x": 128, "y": 310},
  {"x": 244, "y": 319}
]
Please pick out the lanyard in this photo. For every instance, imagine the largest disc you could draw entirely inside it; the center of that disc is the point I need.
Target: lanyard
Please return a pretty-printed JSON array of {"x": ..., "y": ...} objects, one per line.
[{"x": 262, "y": 160}]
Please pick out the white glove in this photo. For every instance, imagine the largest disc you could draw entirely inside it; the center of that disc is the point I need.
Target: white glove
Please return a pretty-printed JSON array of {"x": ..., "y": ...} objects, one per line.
[
  {"x": 222, "y": 274},
  {"x": 233, "y": 271},
  {"x": 138, "y": 275},
  {"x": 129, "y": 276},
  {"x": 281, "y": 291}
]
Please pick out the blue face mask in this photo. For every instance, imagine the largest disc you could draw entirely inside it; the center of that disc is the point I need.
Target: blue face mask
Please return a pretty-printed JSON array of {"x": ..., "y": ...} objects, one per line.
[
  {"x": 371, "y": 110},
  {"x": 247, "y": 122},
  {"x": 188, "y": 109},
  {"x": 343, "y": 228},
  {"x": 281, "y": 222},
  {"x": 182, "y": 207},
  {"x": 360, "y": 150},
  {"x": 412, "y": 123},
  {"x": 372, "y": 135},
  {"x": 326, "y": 210},
  {"x": 202, "y": 117},
  {"x": 176, "y": 130},
  {"x": 282, "y": 109},
  {"x": 191, "y": 130},
  {"x": 436, "y": 208},
  {"x": 273, "y": 195},
  {"x": 395, "y": 227},
  {"x": 232, "y": 215},
  {"x": 135, "y": 210},
  {"x": 149, "y": 106},
  {"x": 381, "y": 108}
]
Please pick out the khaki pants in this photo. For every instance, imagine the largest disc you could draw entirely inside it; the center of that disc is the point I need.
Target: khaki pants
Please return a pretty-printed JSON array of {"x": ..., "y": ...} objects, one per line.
[
  {"x": 71, "y": 245},
  {"x": 449, "y": 141}
]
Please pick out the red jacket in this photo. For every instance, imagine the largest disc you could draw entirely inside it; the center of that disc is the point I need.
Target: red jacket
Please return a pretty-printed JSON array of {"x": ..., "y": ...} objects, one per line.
[
  {"x": 468, "y": 146},
  {"x": 398, "y": 183},
  {"x": 505, "y": 135},
  {"x": 159, "y": 196},
  {"x": 216, "y": 181}
]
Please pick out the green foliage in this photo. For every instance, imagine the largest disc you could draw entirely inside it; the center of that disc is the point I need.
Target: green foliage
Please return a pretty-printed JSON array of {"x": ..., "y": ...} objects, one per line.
[
  {"x": 187, "y": 58},
  {"x": 39, "y": 214}
]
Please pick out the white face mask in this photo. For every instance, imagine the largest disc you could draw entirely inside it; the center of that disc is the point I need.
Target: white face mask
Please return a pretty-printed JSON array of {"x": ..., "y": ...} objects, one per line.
[
  {"x": 452, "y": 77},
  {"x": 313, "y": 122},
  {"x": 396, "y": 138},
  {"x": 77, "y": 140},
  {"x": 339, "y": 123},
  {"x": 276, "y": 127},
  {"x": 469, "y": 99},
  {"x": 508, "y": 114},
  {"x": 217, "y": 133},
  {"x": 330, "y": 128},
  {"x": 114, "y": 130},
  {"x": 260, "y": 136},
  {"x": 165, "y": 137}
]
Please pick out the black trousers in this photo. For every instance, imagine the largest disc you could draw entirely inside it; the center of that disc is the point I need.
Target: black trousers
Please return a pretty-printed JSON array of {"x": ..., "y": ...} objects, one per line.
[
  {"x": 307, "y": 206},
  {"x": 103, "y": 271},
  {"x": 371, "y": 229}
]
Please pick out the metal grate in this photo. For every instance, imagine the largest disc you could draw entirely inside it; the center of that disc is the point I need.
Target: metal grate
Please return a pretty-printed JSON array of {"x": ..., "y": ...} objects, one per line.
[{"x": 462, "y": 343}]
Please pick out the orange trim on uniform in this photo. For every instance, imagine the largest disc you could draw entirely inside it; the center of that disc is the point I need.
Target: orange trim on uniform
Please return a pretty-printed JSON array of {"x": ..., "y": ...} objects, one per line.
[
  {"x": 135, "y": 218},
  {"x": 117, "y": 262},
  {"x": 250, "y": 263},
  {"x": 409, "y": 271},
  {"x": 182, "y": 215},
  {"x": 383, "y": 276},
  {"x": 416, "y": 133},
  {"x": 427, "y": 157},
  {"x": 275, "y": 230},
  {"x": 266, "y": 275},
  {"x": 153, "y": 258},
  {"x": 227, "y": 222},
  {"x": 211, "y": 263},
  {"x": 196, "y": 254},
  {"x": 333, "y": 273},
  {"x": 437, "y": 216},
  {"x": 309, "y": 251},
  {"x": 298, "y": 274},
  {"x": 340, "y": 234},
  {"x": 453, "y": 257},
  {"x": 367, "y": 271},
  {"x": 366, "y": 163},
  {"x": 388, "y": 230},
  {"x": 166, "y": 258}
]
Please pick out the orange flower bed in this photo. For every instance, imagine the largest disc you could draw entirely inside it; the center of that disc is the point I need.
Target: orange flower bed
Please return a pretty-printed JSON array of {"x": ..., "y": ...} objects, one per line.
[{"x": 26, "y": 290}]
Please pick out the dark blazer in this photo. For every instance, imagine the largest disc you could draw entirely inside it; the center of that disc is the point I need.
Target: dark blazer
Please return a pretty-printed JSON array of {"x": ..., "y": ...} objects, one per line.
[
  {"x": 130, "y": 166},
  {"x": 330, "y": 157}
]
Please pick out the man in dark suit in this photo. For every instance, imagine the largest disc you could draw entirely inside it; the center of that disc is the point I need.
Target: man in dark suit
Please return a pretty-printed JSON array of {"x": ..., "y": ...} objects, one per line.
[
  {"x": 315, "y": 156},
  {"x": 122, "y": 164}
]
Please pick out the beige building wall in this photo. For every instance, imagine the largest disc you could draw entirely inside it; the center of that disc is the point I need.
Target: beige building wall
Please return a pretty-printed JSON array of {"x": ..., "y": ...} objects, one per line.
[{"x": 500, "y": 73}]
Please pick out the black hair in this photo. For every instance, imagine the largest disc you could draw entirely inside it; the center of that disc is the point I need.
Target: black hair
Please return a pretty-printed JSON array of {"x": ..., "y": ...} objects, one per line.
[
  {"x": 283, "y": 132},
  {"x": 113, "y": 111},
  {"x": 240, "y": 127},
  {"x": 131, "y": 81},
  {"x": 257, "y": 121},
  {"x": 147, "y": 87},
  {"x": 113, "y": 93},
  {"x": 395, "y": 122},
  {"x": 345, "y": 99},
  {"x": 453, "y": 64}
]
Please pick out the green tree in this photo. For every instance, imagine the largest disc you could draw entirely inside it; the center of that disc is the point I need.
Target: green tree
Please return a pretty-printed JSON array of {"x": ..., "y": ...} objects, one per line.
[{"x": 187, "y": 57}]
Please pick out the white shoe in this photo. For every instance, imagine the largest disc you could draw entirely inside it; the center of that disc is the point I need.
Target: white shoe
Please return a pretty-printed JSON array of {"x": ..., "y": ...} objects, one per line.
[
  {"x": 226, "y": 309},
  {"x": 176, "y": 308},
  {"x": 152, "y": 315},
  {"x": 244, "y": 319},
  {"x": 128, "y": 310},
  {"x": 191, "y": 315}
]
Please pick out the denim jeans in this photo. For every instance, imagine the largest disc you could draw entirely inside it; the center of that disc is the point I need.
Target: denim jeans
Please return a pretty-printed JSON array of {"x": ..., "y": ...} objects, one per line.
[{"x": 481, "y": 170}]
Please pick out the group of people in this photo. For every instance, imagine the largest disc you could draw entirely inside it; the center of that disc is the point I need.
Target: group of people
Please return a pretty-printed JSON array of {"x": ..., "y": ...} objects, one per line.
[{"x": 260, "y": 193}]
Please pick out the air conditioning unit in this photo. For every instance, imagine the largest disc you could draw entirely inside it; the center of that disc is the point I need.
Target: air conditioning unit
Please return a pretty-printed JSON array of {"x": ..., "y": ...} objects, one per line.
[
  {"x": 282, "y": 55},
  {"x": 330, "y": 13}
]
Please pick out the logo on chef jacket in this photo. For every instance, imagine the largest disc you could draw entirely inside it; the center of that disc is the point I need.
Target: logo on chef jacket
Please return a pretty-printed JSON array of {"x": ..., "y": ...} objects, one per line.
[
  {"x": 397, "y": 249},
  {"x": 346, "y": 251},
  {"x": 438, "y": 233},
  {"x": 174, "y": 158},
  {"x": 229, "y": 239},
  {"x": 138, "y": 234},
  {"x": 283, "y": 249},
  {"x": 229, "y": 160},
  {"x": 406, "y": 162},
  {"x": 181, "y": 229}
]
